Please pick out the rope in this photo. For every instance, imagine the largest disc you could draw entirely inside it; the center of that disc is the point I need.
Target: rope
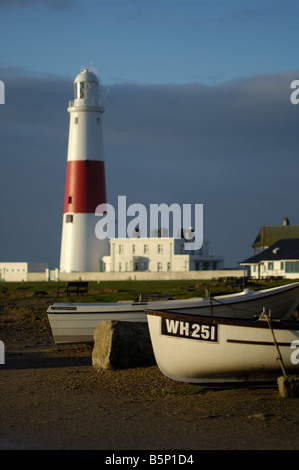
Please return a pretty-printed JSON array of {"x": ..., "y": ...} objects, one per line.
[
  {"x": 229, "y": 305},
  {"x": 279, "y": 358}
]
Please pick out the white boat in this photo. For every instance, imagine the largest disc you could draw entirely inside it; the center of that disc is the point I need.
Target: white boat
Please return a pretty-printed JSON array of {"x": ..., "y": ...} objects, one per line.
[
  {"x": 213, "y": 351},
  {"x": 76, "y": 322}
]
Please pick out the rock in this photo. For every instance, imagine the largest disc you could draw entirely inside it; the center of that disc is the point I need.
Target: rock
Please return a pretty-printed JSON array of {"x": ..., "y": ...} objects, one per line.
[
  {"x": 288, "y": 387},
  {"x": 122, "y": 345},
  {"x": 258, "y": 416}
]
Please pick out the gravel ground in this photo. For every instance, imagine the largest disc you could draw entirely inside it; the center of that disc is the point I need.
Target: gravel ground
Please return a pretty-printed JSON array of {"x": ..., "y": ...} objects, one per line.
[{"x": 52, "y": 398}]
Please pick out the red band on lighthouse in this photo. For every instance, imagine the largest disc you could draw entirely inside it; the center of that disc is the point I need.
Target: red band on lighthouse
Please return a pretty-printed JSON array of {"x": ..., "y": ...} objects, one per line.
[{"x": 85, "y": 186}]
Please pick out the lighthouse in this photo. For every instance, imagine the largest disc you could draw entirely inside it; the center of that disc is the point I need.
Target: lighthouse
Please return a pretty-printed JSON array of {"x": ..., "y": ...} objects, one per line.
[{"x": 85, "y": 188}]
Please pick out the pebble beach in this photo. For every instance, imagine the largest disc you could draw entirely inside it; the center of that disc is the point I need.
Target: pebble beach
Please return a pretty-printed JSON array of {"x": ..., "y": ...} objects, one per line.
[{"x": 53, "y": 399}]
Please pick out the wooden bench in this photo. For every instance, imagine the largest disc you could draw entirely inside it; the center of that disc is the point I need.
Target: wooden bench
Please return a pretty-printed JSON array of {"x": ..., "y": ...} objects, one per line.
[{"x": 74, "y": 287}]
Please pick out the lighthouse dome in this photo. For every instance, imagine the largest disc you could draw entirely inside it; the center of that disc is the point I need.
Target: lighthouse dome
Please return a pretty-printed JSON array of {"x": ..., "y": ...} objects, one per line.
[
  {"x": 86, "y": 89},
  {"x": 86, "y": 76}
]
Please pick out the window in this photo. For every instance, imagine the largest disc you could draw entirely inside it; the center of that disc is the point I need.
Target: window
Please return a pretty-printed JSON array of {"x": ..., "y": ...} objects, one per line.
[
  {"x": 146, "y": 249},
  {"x": 76, "y": 120},
  {"x": 270, "y": 266},
  {"x": 121, "y": 249},
  {"x": 160, "y": 266},
  {"x": 292, "y": 266},
  {"x": 282, "y": 265},
  {"x": 69, "y": 218},
  {"x": 70, "y": 199},
  {"x": 168, "y": 267},
  {"x": 133, "y": 249},
  {"x": 160, "y": 248},
  {"x": 79, "y": 90}
]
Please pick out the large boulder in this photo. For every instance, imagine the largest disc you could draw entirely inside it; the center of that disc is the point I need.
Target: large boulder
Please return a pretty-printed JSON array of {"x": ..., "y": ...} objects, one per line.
[{"x": 122, "y": 345}]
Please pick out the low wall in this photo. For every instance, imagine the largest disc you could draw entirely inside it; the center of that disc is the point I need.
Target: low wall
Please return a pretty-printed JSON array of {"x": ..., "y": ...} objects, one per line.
[
  {"x": 140, "y": 276},
  {"x": 36, "y": 277}
]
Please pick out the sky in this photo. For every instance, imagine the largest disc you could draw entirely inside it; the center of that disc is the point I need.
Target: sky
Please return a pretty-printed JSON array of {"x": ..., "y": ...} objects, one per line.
[{"x": 198, "y": 112}]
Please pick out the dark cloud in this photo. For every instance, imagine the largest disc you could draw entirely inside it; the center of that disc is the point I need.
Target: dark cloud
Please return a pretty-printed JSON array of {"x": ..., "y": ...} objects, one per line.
[
  {"x": 33, "y": 136},
  {"x": 232, "y": 147}
]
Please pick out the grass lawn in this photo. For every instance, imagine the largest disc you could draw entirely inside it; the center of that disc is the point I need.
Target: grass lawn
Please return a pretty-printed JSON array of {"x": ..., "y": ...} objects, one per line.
[{"x": 115, "y": 291}]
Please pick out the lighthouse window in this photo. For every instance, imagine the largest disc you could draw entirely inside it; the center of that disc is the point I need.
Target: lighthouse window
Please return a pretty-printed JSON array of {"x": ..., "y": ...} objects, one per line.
[
  {"x": 79, "y": 90},
  {"x": 76, "y": 120},
  {"x": 70, "y": 199},
  {"x": 69, "y": 218}
]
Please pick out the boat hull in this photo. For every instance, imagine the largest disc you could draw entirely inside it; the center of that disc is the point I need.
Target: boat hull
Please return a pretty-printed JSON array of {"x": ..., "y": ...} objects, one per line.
[
  {"x": 76, "y": 322},
  {"x": 204, "y": 350},
  {"x": 79, "y": 327}
]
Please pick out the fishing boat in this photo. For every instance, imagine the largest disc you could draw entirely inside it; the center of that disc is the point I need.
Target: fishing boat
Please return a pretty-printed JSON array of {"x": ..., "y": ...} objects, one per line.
[
  {"x": 76, "y": 322},
  {"x": 213, "y": 350}
]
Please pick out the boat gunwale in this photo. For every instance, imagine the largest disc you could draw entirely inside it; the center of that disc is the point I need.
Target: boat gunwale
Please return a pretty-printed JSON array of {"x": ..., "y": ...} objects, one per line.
[
  {"x": 71, "y": 307},
  {"x": 255, "y": 322}
]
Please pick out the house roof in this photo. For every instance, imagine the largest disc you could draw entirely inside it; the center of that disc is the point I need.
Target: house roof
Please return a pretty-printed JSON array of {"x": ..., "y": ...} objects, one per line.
[
  {"x": 285, "y": 248},
  {"x": 270, "y": 234}
]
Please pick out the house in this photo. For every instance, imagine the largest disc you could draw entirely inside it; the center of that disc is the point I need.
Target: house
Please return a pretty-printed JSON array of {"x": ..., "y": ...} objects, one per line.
[
  {"x": 281, "y": 259},
  {"x": 157, "y": 254},
  {"x": 18, "y": 272},
  {"x": 270, "y": 234}
]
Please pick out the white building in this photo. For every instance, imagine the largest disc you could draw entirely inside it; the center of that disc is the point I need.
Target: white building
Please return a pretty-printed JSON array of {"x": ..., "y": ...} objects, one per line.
[
  {"x": 157, "y": 254},
  {"x": 281, "y": 259},
  {"x": 18, "y": 272}
]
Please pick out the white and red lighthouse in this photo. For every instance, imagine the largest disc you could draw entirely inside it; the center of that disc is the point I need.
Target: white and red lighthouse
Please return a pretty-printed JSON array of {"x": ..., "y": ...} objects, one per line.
[{"x": 85, "y": 188}]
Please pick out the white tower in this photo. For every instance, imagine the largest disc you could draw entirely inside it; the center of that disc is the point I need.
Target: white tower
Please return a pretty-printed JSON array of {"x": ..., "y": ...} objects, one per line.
[{"x": 85, "y": 185}]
